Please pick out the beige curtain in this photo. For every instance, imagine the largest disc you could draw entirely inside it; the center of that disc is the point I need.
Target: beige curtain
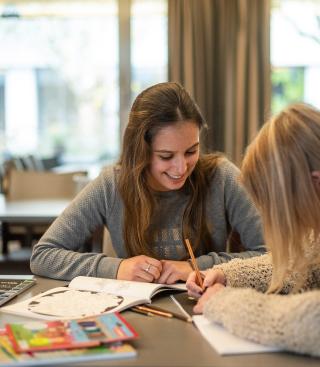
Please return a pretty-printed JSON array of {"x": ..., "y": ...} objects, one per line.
[{"x": 219, "y": 50}]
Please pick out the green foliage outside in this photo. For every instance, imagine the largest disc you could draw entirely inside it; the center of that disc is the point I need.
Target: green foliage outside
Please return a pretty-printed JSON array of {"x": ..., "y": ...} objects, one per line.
[{"x": 287, "y": 87}]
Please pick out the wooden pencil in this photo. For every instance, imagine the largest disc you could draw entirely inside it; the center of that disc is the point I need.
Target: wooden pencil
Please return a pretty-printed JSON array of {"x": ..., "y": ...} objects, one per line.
[
  {"x": 143, "y": 312},
  {"x": 194, "y": 263},
  {"x": 158, "y": 312},
  {"x": 162, "y": 312}
]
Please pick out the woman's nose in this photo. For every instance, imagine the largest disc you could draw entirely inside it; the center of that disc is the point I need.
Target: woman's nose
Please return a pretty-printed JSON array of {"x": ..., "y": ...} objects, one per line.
[{"x": 180, "y": 166}]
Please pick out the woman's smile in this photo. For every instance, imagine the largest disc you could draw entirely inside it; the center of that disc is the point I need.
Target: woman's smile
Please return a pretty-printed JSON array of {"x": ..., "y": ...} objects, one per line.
[{"x": 175, "y": 152}]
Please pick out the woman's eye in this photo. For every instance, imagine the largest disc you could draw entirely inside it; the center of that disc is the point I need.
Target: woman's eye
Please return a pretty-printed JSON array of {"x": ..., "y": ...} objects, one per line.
[
  {"x": 165, "y": 158},
  {"x": 191, "y": 152}
]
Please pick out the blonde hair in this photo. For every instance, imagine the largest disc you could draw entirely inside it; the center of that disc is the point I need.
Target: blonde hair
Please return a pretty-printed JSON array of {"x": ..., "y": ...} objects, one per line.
[{"x": 276, "y": 171}]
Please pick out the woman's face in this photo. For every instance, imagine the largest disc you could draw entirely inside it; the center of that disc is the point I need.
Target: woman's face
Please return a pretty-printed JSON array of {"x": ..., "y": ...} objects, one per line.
[{"x": 175, "y": 152}]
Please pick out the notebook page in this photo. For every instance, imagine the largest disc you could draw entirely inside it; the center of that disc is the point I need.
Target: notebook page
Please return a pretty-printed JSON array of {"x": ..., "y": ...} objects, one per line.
[{"x": 226, "y": 343}]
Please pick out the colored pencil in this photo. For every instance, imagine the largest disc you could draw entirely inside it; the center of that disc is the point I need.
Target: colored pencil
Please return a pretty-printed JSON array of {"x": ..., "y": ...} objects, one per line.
[
  {"x": 194, "y": 263},
  {"x": 143, "y": 312},
  {"x": 165, "y": 313}
]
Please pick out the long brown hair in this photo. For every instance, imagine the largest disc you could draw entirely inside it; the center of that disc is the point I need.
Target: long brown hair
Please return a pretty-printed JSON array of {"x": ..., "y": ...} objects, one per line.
[
  {"x": 276, "y": 171},
  {"x": 159, "y": 106}
]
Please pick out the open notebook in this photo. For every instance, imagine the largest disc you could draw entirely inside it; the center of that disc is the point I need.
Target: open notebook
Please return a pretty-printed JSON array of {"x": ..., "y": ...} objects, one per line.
[{"x": 88, "y": 296}]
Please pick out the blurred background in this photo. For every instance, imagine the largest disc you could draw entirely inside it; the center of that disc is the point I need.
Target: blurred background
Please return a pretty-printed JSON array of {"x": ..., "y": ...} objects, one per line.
[
  {"x": 61, "y": 68},
  {"x": 70, "y": 70}
]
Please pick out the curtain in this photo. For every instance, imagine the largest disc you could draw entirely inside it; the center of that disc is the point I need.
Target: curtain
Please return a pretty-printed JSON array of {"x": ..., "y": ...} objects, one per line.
[{"x": 219, "y": 51}]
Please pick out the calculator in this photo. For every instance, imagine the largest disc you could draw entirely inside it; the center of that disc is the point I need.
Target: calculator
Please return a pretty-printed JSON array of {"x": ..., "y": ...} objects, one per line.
[{"x": 12, "y": 285}]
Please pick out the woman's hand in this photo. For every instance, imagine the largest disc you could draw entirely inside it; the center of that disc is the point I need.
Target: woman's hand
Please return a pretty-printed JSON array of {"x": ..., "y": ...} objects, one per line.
[
  {"x": 172, "y": 271},
  {"x": 211, "y": 277},
  {"x": 198, "y": 308},
  {"x": 140, "y": 268}
]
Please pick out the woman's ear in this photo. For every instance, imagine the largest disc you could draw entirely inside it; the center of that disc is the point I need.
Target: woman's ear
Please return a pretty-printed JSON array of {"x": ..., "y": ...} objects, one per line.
[{"x": 316, "y": 179}]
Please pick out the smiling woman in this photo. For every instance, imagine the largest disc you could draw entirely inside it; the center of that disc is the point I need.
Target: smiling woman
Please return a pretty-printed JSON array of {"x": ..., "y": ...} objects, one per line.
[
  {"x": 161, "y": 192},
  {"x": 175, "y": 152}
]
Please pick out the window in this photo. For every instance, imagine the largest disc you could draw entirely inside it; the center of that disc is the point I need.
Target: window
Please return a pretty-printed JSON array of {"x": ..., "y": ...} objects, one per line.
[
  {"x": 295, "y": 52},
  {"x": 149, "y": 44},
  {"x": 1, "y": 103},
  {"x": 59, "y": 74}
]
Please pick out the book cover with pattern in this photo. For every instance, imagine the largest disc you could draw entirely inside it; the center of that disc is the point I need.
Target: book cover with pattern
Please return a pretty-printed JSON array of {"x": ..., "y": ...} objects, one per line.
[{"x": 34, "y": 336}]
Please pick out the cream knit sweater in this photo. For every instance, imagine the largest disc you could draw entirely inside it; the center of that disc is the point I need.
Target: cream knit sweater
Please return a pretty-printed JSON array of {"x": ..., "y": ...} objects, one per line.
[{"x": 291, "y": 322}]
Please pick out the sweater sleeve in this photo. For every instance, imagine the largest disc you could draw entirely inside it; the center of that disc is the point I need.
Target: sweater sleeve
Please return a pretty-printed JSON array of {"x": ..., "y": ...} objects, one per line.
[
  {"x": 58, "y": 253},
  {"x": 238, "y": 213},
  {"x": 256, "y": 273},
  {"x": 289, "y": 322}
]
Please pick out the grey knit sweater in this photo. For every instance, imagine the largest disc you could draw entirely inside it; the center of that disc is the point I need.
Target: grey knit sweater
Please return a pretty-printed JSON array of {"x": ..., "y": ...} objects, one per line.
[
  {"x": 290, "y": 322},
  {"x": 99, "y": 203}
]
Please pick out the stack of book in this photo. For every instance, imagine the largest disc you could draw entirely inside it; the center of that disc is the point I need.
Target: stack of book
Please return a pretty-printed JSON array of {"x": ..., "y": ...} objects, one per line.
[{"x": 59, "y": 342}]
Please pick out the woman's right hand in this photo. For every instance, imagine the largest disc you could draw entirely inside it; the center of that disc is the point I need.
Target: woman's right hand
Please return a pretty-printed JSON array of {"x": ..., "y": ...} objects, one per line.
[
  {"x": 140, "y": 268},
  {"x": 211, "y": 277}
]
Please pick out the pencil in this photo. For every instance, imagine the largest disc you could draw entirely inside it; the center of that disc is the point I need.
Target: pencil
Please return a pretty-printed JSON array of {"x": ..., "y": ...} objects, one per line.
[
  {"x": 181, "y": 308},
  {"x": 162, "y": 312},
  {"x": 143, "y": 312},
  {"x": 174, "y": 314},
  {"x": 194, "y": 263}
]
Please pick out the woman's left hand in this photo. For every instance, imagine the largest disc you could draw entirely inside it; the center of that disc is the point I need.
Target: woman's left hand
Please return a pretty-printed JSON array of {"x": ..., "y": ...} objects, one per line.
[
  {"x": 198, "y": 308},
  {"x": 172, "y": 271}
]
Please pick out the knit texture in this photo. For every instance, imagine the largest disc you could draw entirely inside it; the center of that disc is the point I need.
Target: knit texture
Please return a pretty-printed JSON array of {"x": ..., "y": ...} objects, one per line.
[
  {"x": 257, "y": 272},
  {"x": 253, "y": 273},
  {"x": 58, "y": 253},
  {"x": 290, "y": 322}
]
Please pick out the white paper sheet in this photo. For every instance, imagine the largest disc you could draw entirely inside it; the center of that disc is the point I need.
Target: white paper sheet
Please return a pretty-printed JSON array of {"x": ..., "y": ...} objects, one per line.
[{"x": 224, "y": 342}]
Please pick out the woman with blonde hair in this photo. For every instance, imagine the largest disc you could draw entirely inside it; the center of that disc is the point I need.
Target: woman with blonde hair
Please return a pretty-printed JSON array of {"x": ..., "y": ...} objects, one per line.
[
  {"x": 161, "y": 191},
  {"x": 281, "y": 171}
]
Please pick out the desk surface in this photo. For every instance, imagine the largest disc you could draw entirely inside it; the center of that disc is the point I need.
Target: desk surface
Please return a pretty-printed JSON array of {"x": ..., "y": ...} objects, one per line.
[
  {"x": 171, "y": 342},
  {"x": 35, "y": 211}
]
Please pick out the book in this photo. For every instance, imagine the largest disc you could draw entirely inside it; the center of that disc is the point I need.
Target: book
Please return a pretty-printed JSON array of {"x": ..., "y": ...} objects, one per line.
[
  {"x": 226, "y": 343},
  {"x": 8, "y": 356},
  {"x": 38, "y": 335},
  {"x": 88, "y": 296}
]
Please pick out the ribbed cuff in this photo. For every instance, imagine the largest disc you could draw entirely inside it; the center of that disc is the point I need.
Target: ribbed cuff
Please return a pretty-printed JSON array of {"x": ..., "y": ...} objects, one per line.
[{"x": 108, "y": 267}]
